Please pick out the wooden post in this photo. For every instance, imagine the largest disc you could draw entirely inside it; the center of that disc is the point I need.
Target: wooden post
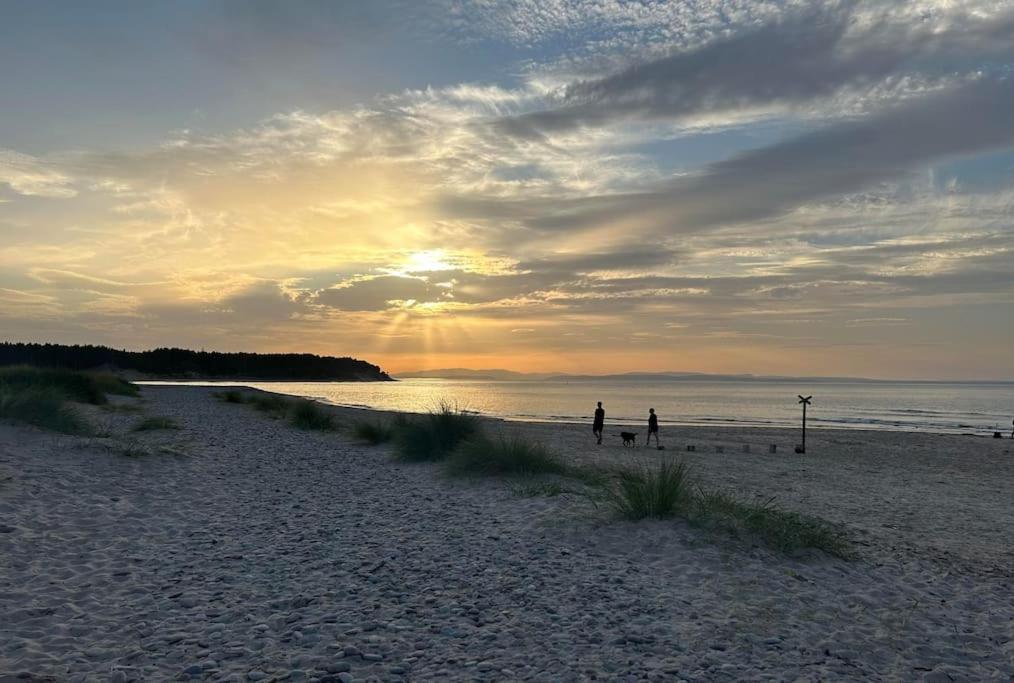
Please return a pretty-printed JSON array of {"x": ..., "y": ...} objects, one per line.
[{"x": 805, "y": 401}]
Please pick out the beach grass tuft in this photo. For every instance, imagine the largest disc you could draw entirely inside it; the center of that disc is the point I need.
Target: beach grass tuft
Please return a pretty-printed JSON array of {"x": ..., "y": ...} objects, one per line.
[
  {"x": 153, "y": 423},
  {"x": 43, "y": 407},
  {"x": 83, "y": 387},
  {"x": 783, "y": 530},
  {"x": 111, "y": 384},
  {"x": 547, "y": 489},
  {"x": 436, "y": 435},
  {"x": 300, "y": 412},
  {"x": 376, "y": 432},
  {"x": 667, "y": 489},
  {"x": 269, "y": 403},
  {"x": 305, "y": 414},
  {"x": 40, "y": 396},
  {"x": 503, "y": 455},
  {"x": 654, "y": 491}
]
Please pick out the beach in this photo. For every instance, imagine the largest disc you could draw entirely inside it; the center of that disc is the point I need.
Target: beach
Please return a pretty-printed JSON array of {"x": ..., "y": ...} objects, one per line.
[{"x": 240, "y": 548}]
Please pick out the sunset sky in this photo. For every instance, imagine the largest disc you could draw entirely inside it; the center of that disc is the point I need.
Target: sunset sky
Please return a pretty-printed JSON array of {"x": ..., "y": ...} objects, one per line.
[{"x": 767, "y": 187}]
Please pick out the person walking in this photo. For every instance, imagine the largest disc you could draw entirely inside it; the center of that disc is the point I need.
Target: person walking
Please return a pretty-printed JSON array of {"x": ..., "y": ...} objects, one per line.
[
  {"x": 599, "y": 423},
  {"x": 652, "y": 428}
]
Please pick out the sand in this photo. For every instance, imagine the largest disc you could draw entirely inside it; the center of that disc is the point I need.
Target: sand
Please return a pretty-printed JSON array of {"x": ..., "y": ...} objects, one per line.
[{"x": 239, "y": 548}]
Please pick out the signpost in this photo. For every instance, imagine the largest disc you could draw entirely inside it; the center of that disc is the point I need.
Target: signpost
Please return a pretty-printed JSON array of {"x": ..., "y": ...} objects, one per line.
[{"x": 805, "y": 401}]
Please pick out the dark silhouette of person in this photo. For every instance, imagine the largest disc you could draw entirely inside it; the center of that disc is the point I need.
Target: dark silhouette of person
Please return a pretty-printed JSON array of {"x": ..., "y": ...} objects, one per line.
[
  {"x": 599, "y": 422},
  {"x": 652, "y": 427}
]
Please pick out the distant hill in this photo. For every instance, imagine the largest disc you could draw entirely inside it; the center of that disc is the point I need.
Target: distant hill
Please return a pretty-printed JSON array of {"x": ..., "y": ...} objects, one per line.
[
  {"x": 498, "y": 375},
  {"x": 170, "y": 363},
  {"x": 466, "y": 373}
]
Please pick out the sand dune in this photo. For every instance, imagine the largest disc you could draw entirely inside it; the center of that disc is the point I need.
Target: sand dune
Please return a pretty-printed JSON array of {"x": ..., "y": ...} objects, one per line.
[{"x": 248, "y": 550}]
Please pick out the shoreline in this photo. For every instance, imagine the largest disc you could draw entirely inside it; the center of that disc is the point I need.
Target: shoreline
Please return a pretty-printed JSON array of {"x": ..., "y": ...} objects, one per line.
[{"x": 237, "y": 547}]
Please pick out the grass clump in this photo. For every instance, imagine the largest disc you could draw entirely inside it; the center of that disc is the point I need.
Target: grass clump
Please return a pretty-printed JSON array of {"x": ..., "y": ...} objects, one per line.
[
  {"x": 111, "y": 384},
  {"x": 549, "y": 489},
  {"x": 152, "y": 423},
  {"x": 667, "y": 490},
  {"x": 503, "y": 455},
  {"x": 39, "y": 396},
  {"x": 83, "y": 387},
  {"x": 375, "y": 432},
  {"x": 300, "y": 412},
  {"x": 646, "y": 491},
  {"x": 43, "y": 407},
  {"x": 780, "y": 529},
  {"x": 305, "y": 414},
  {"x": 269, "y": 403},
  {"x": 436, "y": 435}
]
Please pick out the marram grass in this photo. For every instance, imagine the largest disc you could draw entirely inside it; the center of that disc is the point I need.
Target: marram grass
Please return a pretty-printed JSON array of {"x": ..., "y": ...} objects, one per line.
[
  {"x": 435, "y": 435},
  {"x": 666, "y": 489},
  {"x": 503, "y": 455}
]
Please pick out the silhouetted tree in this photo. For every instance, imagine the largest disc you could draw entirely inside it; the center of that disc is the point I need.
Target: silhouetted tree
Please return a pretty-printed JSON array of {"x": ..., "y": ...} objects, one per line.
[{"x": 183, "y": 363}]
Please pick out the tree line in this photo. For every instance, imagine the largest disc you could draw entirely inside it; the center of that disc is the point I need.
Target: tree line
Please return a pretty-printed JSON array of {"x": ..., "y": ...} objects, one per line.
[{"x": 173, "y": 363}]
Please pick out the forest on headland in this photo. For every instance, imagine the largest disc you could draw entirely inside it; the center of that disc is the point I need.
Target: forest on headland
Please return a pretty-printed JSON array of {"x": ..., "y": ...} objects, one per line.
[{"x": 171, "y": 363}]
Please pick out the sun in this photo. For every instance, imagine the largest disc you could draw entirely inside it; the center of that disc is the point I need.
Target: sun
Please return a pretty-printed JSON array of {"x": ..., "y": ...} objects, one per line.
[{"x": 426, "y": 261}]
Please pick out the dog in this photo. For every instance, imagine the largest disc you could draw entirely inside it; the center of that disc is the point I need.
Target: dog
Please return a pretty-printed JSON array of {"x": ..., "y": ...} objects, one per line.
[{"x": 629, "y": 438}]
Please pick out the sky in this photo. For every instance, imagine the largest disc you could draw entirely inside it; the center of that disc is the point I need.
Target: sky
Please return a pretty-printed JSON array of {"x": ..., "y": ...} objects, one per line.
[{"x": 803, "y": 188}]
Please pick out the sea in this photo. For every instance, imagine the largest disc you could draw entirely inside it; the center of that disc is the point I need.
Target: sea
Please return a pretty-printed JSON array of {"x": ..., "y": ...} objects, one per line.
[{"x": 942, "y": 407}]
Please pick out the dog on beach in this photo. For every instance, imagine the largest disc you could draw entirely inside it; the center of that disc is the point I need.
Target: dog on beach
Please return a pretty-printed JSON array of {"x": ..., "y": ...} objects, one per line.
[{"x": 629, "y": 438}]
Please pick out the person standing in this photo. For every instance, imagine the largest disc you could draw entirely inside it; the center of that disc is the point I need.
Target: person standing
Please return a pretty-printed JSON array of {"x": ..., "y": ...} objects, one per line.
[
  {"x": 599, "y": 423},
  {"x": 652, "y": 427}
]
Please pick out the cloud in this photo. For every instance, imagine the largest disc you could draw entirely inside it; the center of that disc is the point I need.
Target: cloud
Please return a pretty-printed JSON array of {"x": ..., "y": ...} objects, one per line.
[
  {"x": 835, "y": 160},
  {"x": 374, "y": 293},
  {"x": 29, "y": 176},
  {"x": 801, "y": 56},
  {"x": 65, "y": 279}
]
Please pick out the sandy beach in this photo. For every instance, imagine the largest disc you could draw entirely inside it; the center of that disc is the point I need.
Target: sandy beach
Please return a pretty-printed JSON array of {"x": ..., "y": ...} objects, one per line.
[{"x": 240, "y": 548}]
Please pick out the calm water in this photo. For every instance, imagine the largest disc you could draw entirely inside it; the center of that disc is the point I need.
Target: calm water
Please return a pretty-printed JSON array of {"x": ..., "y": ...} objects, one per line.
[{"x": 961, "y": 408}]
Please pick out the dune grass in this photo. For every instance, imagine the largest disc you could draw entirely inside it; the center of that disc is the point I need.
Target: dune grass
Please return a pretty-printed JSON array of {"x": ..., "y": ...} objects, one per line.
[
  {"x": 650, "y": 491},
  {"x": 537, "y": 489},
  {"x": 299, "y": 412},
  {"x": 780, "y": 529},
  {"x": 43, "y": 407},
  {"x": 503, "y": 455},
  {"x": 376, "y": 432},
  {"x": 83, "y": 387},
  {"x": 111, "y": 384},
  {"x": 153, "y": 423},
  {"x": 269, "y": 403},
  {"x": 305, "y": 414},
  {"x": 436, "y": 435},
  {"x": 667, "y": 490},
  {"x": 40, "y": 396}
]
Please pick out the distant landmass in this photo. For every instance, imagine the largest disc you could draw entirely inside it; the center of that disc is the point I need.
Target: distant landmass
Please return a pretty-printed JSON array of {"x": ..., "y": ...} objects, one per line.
[
  {"x": 498, "y": 374},
  {"x": 668, "y": 376},
  {"x": 465, "y": 373},
  {"x": 171, "y": 363}
]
